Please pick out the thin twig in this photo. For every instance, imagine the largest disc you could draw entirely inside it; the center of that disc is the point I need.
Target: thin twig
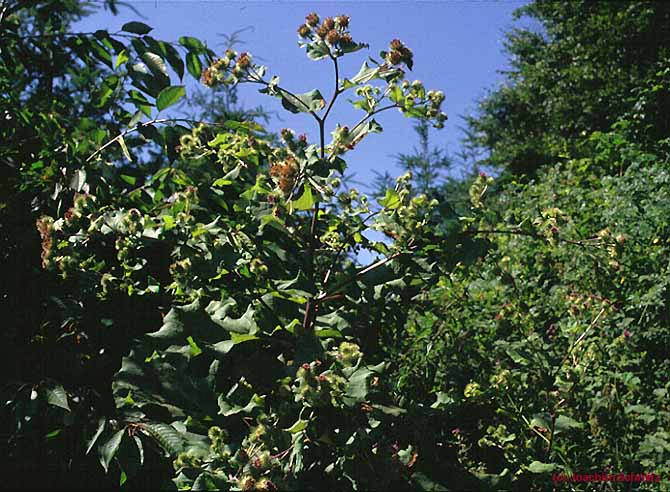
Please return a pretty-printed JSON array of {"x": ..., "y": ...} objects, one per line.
[{"x": 148, "y": 123}]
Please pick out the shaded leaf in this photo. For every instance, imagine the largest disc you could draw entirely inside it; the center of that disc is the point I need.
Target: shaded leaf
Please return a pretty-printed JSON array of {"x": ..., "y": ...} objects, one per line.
[
  {"x": 110, "y": 448},
  {"x": 136, "y": 28}
]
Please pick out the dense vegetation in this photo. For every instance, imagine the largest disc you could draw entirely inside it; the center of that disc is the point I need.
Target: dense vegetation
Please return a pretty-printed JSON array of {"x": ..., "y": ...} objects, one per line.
[{"x": 184, "y": 301}]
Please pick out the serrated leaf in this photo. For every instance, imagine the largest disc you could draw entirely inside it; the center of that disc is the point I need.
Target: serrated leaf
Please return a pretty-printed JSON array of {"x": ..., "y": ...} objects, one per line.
[
  {"x": 169, "y": 96},
  {"x": 136, "y": 28},
  {"x": 167, "y": 436}
]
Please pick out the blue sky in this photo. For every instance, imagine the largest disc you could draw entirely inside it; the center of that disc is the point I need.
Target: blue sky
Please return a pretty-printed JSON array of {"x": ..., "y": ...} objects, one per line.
[{"x": 457, "y": 48}]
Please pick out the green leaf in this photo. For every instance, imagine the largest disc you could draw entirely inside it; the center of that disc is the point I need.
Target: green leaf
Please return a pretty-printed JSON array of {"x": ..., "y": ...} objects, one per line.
[
  {"x": 121, "y": 58},
  {"x": 130, "y": 454},
  {"x": 173, "y": 58},
  {"x": 157, "y": 66},
  {"x": 563, "y": 422},
  {"x": 110, "y": 448},
  {"x": 137, "y": 117},
  {"x": 136, "y": 28},
  {"x": 169, "y": 96},
  {"x": 365, "y": 74},
  {"x": 393, "y": 411},
  {"x": 124, "y": 148},
  {"x": 131, "y": 180},
  {"x": 195, "y": 350},
  {"x": 191, "y": 43},
  {"x": 193, "y": 65},
  {"x": 302, "y": 103},
  {"x": 101, "y": 427},
  {"x": 243, "y": 325},
  {"x": 235, "y": 339},
  {"x": 298, "y": 426},
  {"x": 57, "y": 396},
  {"x": 423, "y": 482},
  {"x": 53, "y": 434},
  {"x": 205, "y": 481},
  {"x": 167, "y": 436},
  {"x": 227, "y": 409},
  {"x": 539, "y": 467},
  {"x": 391, "y": 200},
  {"x": 317, "y": 51},
  {"x": 306, "y": 200}
]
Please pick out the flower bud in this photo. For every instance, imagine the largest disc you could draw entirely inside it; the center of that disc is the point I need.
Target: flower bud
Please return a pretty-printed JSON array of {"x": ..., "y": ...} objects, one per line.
[
  {"x": 342, "y": 21},
  {"x": 312, "y": 19},
  {"x": 266, "y": 485},
  {"x": 247, "y": 482},
  {"x": 332, "y": 37},
  {"x": 304, "y": 31}
]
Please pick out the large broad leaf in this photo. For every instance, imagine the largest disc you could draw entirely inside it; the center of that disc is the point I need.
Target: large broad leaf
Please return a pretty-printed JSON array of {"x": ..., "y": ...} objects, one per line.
[
  {"x": 365, "y": 74},
  {"x": 161, "y": 373},
  {"x": 243, "y": 325},
  {"x": 357, "y": 386},
  {"x": 169, "y": 96},
  {"x": 302, "y": 103}
]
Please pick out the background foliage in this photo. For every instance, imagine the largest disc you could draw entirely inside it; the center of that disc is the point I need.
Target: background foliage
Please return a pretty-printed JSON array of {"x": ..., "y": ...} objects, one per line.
[{"x": 185, "y": 301}]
